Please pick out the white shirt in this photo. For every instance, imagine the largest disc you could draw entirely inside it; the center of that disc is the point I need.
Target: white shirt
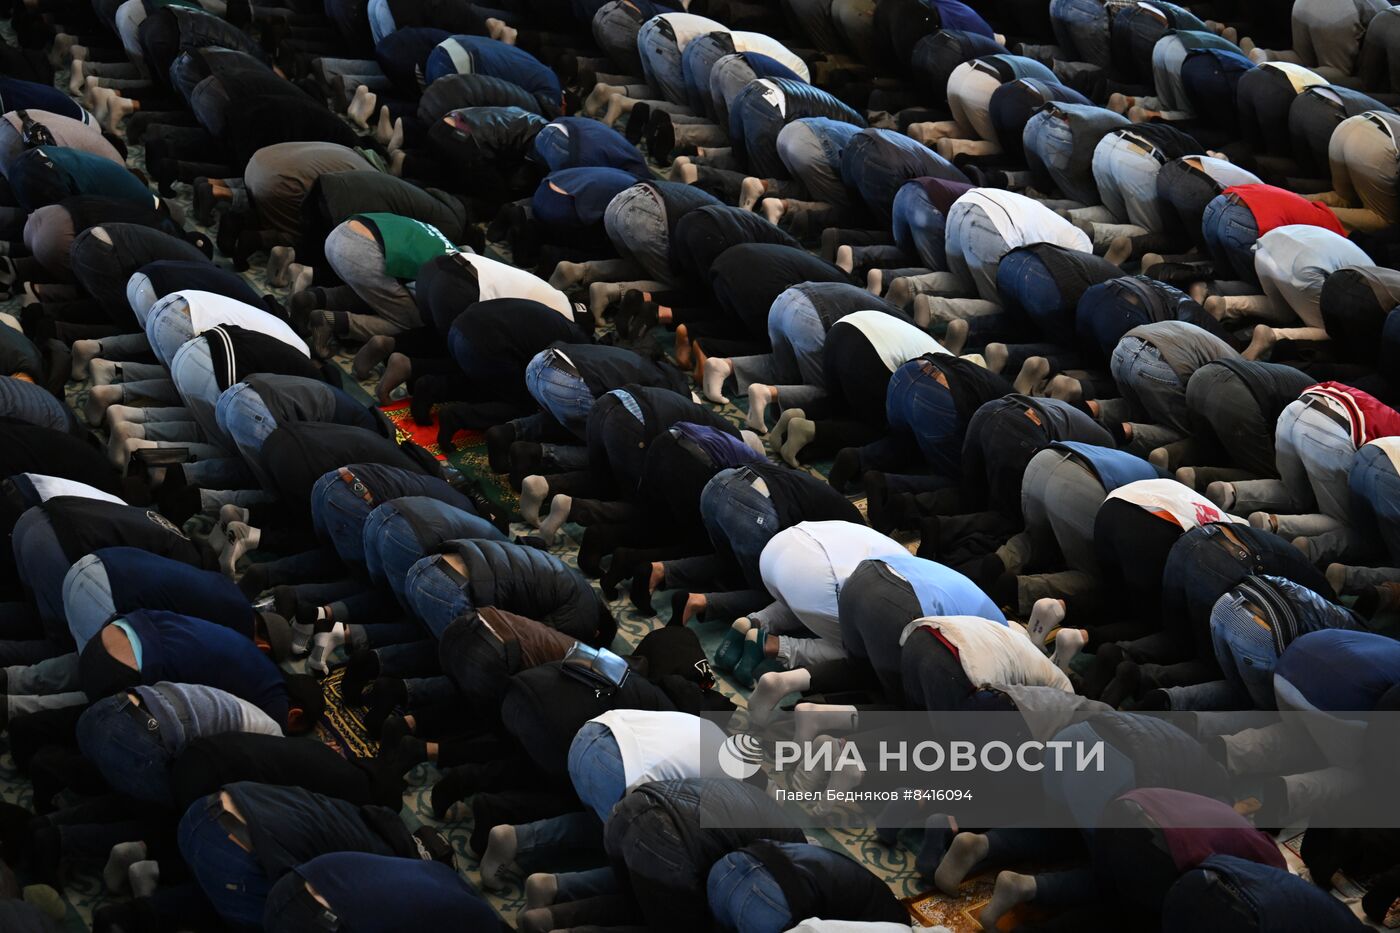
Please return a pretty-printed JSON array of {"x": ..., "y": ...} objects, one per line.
[
  {"x": 895, "y": 341},
  {"x": 208, "y": 310},
  {"x": 1021, "y": 221},
  {"x": 767, "y": 45},
  {"x": 501, "y": 280},
  {"x": 1390, "y": 446},
  {"x": 1186, "y": 507},
  {"x": 1301, "y": 78},
  {"x": 992, "y": 653},
  {"x": 818, "y": 925},
  {"x": 49, "y": 487},
  {"x": 805, "y": 566},
  {"x": 663, "y": 746}
]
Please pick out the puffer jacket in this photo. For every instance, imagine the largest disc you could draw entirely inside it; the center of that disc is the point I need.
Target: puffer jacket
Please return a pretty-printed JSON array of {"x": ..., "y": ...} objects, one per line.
[{"x": 534, "y": 584}]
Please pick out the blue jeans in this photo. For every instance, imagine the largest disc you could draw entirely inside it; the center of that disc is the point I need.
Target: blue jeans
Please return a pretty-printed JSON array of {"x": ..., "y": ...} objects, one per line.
[
  {"x": 565, "y": 396},
  {"x": 232, "y": 879},
  {"x": 1028, "y": 285},
  {"x": 245, "y": 418},
  {"x": 661, "y": 61},
  {"x": 381, "y": 19},
  {"x": 338, "y": 515},
  {"x": 130, "y": 755},
  {"x": 744, "y": 896},
  {"x": 1375, "y": 491},
  {"x": 1081, "y": 30},
  {"x": 919, "y": 405},
  {"x": 168, "y": 327},
  {"x": 739, "y": 518},
  {"x": 811, "y": 150},
  {"x": 1149, "y": 382},
  {"x": 552, "y": 146},
  {"x": 433, "y": 596},
  {"x": 555, "y": 842},
  {"x": 918, "y": 226},
  {"x": 42, "y": 565},
  {"x": 1231, "y": 233},
  {"x": 595, "y": 767},
  {"x": 87, "y": 598},
  {"x": 1245, "y": 651},
  {"x": 392, "y": 546}
]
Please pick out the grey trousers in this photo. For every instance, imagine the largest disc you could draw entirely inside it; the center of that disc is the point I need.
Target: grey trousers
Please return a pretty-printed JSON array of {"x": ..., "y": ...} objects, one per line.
[{"x": 359, "y": 261}]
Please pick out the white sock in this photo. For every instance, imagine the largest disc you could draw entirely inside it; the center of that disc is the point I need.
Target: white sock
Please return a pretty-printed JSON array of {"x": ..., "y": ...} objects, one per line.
[
  {"x": 1068, "y": 643},
  {"x": 772, "y": 687}
]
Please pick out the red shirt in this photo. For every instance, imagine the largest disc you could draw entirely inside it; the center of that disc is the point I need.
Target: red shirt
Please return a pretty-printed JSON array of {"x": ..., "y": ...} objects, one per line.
[
  {"x": 1275, "y": 207},
  {"x": 1370, "y": 417}
]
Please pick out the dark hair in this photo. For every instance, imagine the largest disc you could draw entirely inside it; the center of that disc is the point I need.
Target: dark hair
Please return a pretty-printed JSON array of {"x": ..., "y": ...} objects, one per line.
[{"x": 304, "y": 693}]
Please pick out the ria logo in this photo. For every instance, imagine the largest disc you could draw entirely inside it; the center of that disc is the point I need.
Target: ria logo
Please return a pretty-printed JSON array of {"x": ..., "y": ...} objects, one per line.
[{"x": 741, "y": 756}]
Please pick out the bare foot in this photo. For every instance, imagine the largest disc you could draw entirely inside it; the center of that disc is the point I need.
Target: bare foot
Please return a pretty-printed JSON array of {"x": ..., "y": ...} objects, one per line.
[
  {"x": 773, "y": 209},
  {"x": 750, "y": 190}
]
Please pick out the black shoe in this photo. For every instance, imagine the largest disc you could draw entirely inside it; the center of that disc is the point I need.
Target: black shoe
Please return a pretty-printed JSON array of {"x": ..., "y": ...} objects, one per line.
[
  {"x": 498, "y": 443},
  {"x": 844, "y": 468}
]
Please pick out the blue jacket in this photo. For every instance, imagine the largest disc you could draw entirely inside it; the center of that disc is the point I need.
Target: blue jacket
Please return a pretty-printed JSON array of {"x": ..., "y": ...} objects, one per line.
[
  {"x": 185, "y": 650},
  {"x": 1114, "y": 468},
  {"x": 942, "y": 591},
  {"x": 1341, "y": 669},
  {"x": 592, "y": 143},
  {"x": 587, "y": 191},
  {"x": 479, "y": 55},
  {"x": 1227, "y": 894},
  {"x": 142, "y": 580},
  {"x": 382, "y": 894}
]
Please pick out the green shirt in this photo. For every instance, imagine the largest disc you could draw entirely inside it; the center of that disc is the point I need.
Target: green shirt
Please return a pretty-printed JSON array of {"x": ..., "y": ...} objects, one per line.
[{"x": 407, "y": 243}]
